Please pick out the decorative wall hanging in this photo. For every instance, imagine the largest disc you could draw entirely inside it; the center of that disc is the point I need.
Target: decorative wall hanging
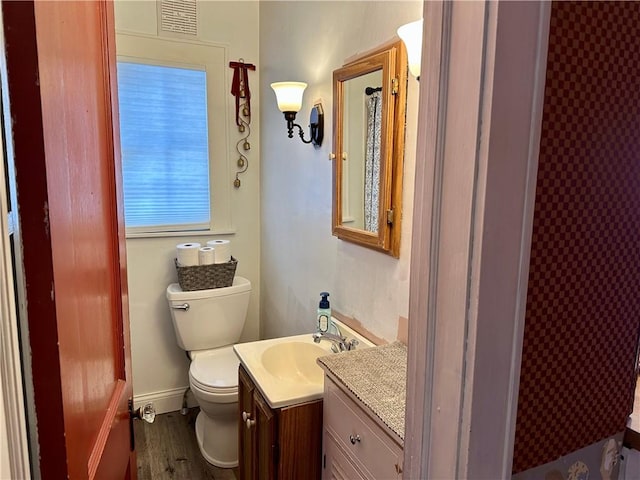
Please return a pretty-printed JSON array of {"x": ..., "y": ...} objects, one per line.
[{"x": 240, "y": 90}]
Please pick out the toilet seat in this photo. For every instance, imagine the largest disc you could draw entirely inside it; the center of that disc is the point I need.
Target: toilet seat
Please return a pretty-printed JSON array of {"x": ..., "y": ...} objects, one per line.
[{"x": 215, "y": 371}]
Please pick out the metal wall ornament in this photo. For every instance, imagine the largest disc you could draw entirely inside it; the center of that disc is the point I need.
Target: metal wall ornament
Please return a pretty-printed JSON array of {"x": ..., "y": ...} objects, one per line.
[{"x": 240, "y": 90}]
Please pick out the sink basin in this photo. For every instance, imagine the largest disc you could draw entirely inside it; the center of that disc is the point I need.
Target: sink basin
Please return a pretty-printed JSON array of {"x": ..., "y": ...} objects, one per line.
[
  {"x": 285, "y": 370},
  {"x": 294, "y": 362}
]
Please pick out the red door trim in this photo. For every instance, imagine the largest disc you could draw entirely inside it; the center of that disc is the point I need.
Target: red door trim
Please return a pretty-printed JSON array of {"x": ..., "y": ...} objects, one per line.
[
  {"x": 21, "y": 55},
  {"x": 105, "y": 428}
]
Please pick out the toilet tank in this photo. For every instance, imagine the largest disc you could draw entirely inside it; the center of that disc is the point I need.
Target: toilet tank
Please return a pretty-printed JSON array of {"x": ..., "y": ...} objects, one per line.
[{"x": 205, "y": 319}]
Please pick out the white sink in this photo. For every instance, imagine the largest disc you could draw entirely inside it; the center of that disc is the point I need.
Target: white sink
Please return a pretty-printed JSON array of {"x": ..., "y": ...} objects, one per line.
[
  {"x": 285, "y": 369},
  {"x": 294, "y": 362}
]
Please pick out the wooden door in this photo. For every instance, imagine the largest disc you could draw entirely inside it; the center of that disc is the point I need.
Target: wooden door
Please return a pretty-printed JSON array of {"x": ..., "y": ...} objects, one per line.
[
  {"x": 246, "y": 437},
  {"x": 267, "y": 440},
  {"x": 60, "y": 62},
  {"x": 299, "y": 431}
]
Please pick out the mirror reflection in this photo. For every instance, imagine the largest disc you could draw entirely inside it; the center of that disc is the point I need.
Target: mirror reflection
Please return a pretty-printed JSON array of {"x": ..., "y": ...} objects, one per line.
[
  {"x": 369, "y": 109},
  {"x": 361, "y": 155}
]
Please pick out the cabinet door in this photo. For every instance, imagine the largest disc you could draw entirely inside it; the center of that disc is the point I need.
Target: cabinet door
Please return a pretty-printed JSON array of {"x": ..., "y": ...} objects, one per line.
[
  {"x": 300, "y": 441},
  {"x": 246, "y": 436},
  {"x": 267, "y": 448},
  {"x": 336, "y": 464}
]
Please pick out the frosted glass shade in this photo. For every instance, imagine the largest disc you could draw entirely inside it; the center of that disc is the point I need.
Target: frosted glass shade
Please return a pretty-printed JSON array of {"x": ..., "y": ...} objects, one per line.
[
  {"x": 289, "y": 95},
  {"x": 411, "y": 35}
]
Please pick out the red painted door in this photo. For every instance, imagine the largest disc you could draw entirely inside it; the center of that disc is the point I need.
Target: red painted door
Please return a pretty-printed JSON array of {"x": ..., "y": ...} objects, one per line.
[{"x": 60, "y": 66}]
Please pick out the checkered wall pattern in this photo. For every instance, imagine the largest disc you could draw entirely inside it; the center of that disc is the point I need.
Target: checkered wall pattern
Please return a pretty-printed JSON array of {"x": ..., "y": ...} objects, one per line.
[{"x": 583, "y": 305}]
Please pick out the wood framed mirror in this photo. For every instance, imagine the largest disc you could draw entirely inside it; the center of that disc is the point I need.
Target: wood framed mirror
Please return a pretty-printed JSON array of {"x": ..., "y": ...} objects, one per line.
[{"x": 369, "y": 104}]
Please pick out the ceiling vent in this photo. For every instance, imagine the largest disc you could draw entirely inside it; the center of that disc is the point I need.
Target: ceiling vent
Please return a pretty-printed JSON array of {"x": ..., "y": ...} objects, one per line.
[{"x": 178, "y": 16}]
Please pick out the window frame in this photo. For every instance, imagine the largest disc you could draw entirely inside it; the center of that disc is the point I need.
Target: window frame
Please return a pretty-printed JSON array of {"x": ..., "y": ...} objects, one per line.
[{"x": 212, "y": 59}]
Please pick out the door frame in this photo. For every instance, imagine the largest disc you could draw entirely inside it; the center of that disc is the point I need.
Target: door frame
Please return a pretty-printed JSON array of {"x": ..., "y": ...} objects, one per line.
[
  {"x": 14, "y": 443},
  {"x": 479, "y": 128},
  {"x": 13, "y": 424}
]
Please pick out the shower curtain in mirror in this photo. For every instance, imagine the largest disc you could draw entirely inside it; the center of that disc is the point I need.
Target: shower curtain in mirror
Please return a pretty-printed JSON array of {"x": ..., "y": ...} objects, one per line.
[{"x": 372, "y": 163}]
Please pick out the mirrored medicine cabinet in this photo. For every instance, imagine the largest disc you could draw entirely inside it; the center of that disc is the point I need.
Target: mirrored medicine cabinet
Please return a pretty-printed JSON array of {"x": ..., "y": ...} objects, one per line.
[{"x": 369, "y": 104}]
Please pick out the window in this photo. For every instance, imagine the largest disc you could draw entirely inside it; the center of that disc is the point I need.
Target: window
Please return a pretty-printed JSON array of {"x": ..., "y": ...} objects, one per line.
[
  {"x": 165, "y": 151},
  {"x": 174, "y": 119}
]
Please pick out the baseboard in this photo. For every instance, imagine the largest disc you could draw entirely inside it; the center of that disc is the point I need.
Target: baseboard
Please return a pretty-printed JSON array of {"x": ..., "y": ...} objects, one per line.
[
  {"x": 630, "y": 464},
  {"x": 165, "y": 400}
]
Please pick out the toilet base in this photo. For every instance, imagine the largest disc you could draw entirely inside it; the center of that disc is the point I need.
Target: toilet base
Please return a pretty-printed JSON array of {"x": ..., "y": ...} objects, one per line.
[{"x": 218, "y": 442}]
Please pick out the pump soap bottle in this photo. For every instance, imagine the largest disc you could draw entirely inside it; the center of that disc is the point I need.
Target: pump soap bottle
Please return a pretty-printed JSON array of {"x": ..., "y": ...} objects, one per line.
[{"x": 324, "y": 313}]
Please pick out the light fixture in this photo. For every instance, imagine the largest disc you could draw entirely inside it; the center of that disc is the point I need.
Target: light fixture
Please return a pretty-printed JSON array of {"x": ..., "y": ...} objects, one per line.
[
  {"x": 411, "y": 35},
  {"x": 289, "y": 97}
]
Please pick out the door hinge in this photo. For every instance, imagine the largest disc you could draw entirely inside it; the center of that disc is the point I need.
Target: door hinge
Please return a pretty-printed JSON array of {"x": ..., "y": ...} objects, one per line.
[
  {"x": 132, "y": 439},
  {"x": 394, "y": 86},
  {"x": 390, "y": 216}
]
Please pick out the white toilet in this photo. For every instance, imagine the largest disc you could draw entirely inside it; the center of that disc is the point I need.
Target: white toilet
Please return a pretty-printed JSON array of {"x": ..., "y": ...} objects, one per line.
[{"x": 207, "y": 324}]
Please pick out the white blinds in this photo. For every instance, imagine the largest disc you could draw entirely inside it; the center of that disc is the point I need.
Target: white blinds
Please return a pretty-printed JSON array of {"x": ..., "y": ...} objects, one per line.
[{"x": 163, "y": 128}]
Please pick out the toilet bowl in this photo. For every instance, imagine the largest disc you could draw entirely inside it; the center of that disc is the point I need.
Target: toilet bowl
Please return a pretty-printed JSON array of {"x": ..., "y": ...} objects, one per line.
[
  {"x": 213, "y": 379},
  {"x": 207, "y": 323}
]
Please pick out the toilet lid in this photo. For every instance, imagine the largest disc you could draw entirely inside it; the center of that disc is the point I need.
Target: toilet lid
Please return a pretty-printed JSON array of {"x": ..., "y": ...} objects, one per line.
[{"x": 216, "y": 369}]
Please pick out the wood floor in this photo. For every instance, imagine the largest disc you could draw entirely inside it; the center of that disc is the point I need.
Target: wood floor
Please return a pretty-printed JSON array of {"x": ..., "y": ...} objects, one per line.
[{"x": 168, "y": 449}]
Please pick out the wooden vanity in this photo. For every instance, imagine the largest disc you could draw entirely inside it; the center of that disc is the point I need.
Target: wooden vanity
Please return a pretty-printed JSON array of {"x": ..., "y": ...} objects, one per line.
[
  {"x": 282, "y": 443},
  {"x": 361, "y": 399}
]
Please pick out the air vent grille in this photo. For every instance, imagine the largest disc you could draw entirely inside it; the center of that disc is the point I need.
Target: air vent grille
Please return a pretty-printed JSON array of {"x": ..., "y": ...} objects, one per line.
[{"x": 178, "y": 16}]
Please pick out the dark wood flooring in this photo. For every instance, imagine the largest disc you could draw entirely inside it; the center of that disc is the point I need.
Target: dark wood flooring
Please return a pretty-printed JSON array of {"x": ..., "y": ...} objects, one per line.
[{"x": 168, "y": 449}]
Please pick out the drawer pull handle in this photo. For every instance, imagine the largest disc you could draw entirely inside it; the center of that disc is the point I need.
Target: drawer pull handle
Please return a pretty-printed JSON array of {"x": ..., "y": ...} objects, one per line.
[
  {"x": 245, "y": 416},
  {"x": 354, "y": 438},
  {"x": 250, "y": 423}
]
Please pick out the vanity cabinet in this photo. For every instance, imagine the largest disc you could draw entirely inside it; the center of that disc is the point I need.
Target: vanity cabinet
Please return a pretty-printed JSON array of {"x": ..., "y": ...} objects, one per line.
[
  {"x": 282, "y": 443},
  {"x": 356, "y": 445}
]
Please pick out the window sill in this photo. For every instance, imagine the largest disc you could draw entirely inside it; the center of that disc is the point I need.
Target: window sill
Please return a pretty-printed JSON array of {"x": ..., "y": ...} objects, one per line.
[{"x": 191, "y": 233}]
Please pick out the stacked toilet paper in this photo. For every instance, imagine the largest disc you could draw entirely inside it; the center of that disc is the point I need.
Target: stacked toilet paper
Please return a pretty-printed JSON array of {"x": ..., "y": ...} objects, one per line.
[
  {"x": 192, "y": 254},
  {"x": 188, "y": 254},
  {"x": 222, "y": 250},
  {"x": 207, "y": 255}
]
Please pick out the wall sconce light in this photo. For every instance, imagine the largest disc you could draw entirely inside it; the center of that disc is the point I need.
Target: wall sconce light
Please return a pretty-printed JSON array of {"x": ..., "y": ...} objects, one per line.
[
  {"x": 289, "y": 97},
  {"x": 411, "y": 35}
]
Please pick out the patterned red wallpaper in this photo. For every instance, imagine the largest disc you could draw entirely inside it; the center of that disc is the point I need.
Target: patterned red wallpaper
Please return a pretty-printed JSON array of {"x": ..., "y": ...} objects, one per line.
[{"x": 583, "y": 306}]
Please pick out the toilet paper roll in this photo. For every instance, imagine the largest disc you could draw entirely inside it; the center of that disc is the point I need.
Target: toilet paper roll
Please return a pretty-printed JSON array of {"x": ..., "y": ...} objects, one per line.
[
  {"x": 187, "y": 254},
  {"x": 207, "y": 255},
  {"x": 223, "y": 250}
]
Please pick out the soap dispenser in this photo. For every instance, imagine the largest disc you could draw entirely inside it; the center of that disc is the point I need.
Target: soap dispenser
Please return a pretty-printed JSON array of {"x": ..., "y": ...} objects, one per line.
[{"x": 324, "y": 313}]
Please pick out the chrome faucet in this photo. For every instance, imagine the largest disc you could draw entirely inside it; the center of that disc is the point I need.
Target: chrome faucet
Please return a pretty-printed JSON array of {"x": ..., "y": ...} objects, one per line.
[{"x": 340, "y": 343}]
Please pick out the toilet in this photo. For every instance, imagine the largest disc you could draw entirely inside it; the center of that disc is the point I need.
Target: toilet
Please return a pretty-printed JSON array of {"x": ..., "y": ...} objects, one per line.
[{"x": 207, "y": 324}]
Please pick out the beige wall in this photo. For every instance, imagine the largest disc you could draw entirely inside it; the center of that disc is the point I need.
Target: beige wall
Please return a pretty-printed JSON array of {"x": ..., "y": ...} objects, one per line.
[
  {"x": 160, "y": 367},
  {"x": 306, "y": 41},
  {"x": 295, "y": 256}
]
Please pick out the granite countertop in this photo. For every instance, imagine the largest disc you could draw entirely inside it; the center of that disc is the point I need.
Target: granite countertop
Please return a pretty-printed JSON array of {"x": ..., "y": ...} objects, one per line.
[{"x": 378, "y": 377}]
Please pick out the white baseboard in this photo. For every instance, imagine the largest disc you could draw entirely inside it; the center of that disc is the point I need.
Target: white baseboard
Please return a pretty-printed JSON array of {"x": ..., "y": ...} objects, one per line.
[
  {"x": 165, "y": 400},
  {"x": 630, "y": 464}
]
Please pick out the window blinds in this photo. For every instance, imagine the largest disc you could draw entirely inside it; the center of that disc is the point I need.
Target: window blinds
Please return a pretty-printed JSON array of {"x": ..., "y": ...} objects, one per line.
[{"x": 163, "y": 128}]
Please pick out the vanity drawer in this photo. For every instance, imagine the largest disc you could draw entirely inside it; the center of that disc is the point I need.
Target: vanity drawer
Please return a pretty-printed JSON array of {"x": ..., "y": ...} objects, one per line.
[
  {"x": 337, "y": 465},
  {"x": 373, "y": 451}
]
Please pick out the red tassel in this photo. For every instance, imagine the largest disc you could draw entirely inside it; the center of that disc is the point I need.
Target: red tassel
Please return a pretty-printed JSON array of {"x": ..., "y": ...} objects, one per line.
[{"x": 240, "y": 88}]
